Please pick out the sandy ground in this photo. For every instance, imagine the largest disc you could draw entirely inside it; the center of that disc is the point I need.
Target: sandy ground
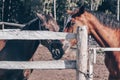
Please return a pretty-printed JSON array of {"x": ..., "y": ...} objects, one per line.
[{"x": 42, "y": 53}]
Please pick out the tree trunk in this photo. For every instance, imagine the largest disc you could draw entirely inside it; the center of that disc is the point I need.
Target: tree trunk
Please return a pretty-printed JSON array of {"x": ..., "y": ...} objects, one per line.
[
  {"x": 55, "y": 9},
  {"x": 118, "y": 10},
  {"x": 91, "y": 5}
]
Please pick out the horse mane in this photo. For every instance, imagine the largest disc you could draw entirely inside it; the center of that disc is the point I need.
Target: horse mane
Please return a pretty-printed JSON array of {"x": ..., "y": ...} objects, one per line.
[
  {"x": 31, "y": 25},
  {"x": 108, "y": 20}
]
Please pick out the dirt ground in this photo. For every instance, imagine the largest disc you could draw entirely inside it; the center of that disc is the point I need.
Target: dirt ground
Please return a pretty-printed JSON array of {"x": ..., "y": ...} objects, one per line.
[{"x": 42, "y": 53}]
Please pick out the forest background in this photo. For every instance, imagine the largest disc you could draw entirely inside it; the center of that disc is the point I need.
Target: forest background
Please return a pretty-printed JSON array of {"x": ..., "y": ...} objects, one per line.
[{"x": 22, "y": 11}]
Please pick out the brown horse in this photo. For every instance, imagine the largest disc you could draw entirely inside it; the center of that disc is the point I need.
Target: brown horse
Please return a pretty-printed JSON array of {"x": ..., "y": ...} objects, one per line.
[
  {"x": 106, "y": 31},
  {"x": 23, "y": 50}
]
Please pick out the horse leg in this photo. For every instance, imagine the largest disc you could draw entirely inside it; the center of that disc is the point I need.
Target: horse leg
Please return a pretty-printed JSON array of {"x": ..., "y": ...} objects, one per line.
[
  {"x": 112, "y": 66},
  {"x": 27, "y": 72}
]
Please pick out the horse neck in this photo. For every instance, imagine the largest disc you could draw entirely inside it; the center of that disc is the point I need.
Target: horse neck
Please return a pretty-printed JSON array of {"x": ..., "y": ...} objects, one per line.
[{"x": 104, "y": 35}]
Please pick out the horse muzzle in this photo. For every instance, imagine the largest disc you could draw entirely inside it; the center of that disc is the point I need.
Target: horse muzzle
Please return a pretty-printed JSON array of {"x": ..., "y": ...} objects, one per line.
[{"x": 56, "y": 49}]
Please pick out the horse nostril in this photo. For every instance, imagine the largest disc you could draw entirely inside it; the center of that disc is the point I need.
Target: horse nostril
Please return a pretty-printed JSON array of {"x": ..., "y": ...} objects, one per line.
[
  {"x": 56, "y": 52},
  {"x": 56, "y": 49},
  {"x": 53, "y": 50}
]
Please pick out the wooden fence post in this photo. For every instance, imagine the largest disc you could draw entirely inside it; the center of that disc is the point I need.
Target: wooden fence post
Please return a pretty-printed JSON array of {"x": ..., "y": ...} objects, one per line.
[
  {"x": 82, "y": 53},
  {"x": 90, "y": 63},
  {"x": 3, "y": 26}
]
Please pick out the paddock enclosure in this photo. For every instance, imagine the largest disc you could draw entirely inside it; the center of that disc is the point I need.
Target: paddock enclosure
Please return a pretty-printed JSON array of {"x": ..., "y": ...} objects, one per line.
[{"x": 68, "y": 70}]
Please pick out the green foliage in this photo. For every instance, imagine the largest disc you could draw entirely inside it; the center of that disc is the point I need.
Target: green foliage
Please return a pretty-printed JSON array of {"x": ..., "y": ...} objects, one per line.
[
  {"x": 60, "y": 10},
  {"x": 1, "y": 10},
  {"x": 108, "y": 6},
  {"x": 22, "y": 11}
]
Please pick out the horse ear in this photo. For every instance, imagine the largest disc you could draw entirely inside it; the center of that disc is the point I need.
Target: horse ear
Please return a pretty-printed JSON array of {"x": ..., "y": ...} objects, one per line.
[
  {"x": 50, "y": 14},
  {"x": 81, "y": 10},
  {"x": 40, "y": 16}
]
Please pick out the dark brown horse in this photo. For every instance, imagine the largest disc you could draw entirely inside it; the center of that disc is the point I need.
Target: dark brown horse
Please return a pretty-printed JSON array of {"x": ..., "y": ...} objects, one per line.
[
  {"x": 106, "y": 31},
  {"x": 23, "y": 50}
]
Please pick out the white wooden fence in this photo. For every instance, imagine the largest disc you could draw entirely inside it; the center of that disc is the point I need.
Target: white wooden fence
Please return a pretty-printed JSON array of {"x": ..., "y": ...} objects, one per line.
[
  {"x": 80, "y": 64},
  {"x": 59, "y": 64},
  {"x": 3, "y": 24}
]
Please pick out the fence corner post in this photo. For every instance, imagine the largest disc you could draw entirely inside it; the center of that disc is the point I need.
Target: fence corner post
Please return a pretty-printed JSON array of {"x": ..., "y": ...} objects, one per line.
[{"x": 82, "y": 53}]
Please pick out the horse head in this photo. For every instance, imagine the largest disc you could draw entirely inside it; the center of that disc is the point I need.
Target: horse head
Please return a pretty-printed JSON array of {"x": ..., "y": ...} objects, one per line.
[{"x": 47, "y": 22}]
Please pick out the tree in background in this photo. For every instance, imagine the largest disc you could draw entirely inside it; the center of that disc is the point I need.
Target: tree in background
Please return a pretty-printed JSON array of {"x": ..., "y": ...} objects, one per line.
[
  {"x": 22, "y": 11},
  {"x": 14, "y": 11},
  {"x": 61, "y": 7},
  {"x": 54, "y": 9},
  {"x": 108, "y": 6},
  {"x": 95, "y": 4},
  {"x": 118, "y": 10},
  {"x": 1, "y": 10}
]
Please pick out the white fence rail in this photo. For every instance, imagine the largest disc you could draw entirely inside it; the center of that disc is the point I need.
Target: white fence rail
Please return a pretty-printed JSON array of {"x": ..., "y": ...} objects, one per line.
[
  {"x": 56, "y": 64},
  {"x": 34, "y": 35},
  {"x": 11, "y": 24},
  {"x": 106, "y": 49}
]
